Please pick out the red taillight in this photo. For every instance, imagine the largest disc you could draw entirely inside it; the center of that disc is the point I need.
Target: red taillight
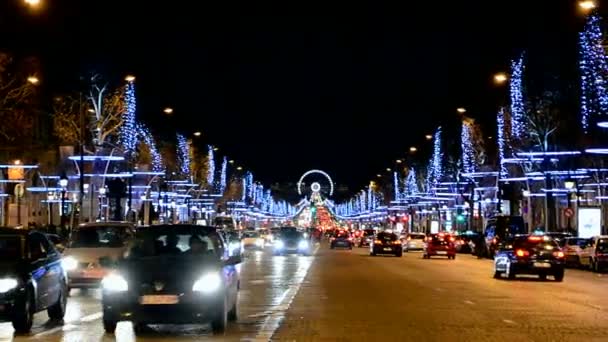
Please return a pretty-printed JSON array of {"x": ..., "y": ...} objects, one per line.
[
  {"x": 558, "y": 254},
  {"x": 396, "y": 242},
  {"x": 535, "y": 238},
  {"x": 409, "y": 238},
  {"x": 452, "y": 239},
  {"x": 494, "y": 240},
  {"x": 377, "y": 242},
  {"x": 522, "y": 253},
  {"x": 350, "y": 239},
  {"x": 332, "y": 238}
]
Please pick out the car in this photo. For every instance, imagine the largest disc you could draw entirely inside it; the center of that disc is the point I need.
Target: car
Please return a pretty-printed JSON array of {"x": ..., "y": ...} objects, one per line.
[
  {"x": 341, "y": 238},
  {"x": 252, "y": 240},
  {"x": 439, "y": 244},
  {"x": 155, "y": 284},
  {"x": 386, "y": 243},
  {"x": 464, "y": 242},
  {"x": 414, "y": 242},
  {"x": 291, "y": 241},
  {"x": 531, "y": 254},
  {"x": 32, "y": 278},
  {"x": 88, "y": 244},
  {"x": 595, "y": 254},
  {"x": 366, "y": 238},
  {"x": 499, "y": 229},
  {"x": 225, "y": 222},
  {"x": 573, "y": 250}
]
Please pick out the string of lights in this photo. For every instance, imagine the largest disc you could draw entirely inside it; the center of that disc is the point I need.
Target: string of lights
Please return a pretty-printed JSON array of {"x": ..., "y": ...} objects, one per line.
[
  {"x": 183, "y": 155},
  {"x": 518, "y": 120},
  {"x": 398, "y": 196},
  {"x": 593, "y": 68},
  {"x": 146, "y": 137},
  {"x": 128, "y": 130},
  {"x": 411, "y": 183},
  {"x": 223, "y": 175},
  {"x": 502, "y": 144},
  {"x": 435, "y": 168},
  {"x": 469, "y": 163},
  {"x": 211, "y": 167}
]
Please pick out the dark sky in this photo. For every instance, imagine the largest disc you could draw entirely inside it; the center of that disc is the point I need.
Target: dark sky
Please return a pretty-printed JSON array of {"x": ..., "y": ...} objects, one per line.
[{"x": 346, "y": 88}]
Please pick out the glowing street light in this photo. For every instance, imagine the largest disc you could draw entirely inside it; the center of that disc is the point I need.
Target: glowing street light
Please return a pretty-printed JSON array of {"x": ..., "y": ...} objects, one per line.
[
  {"x": 461, "y": 110},
  {"x": 231, "y": 161},
  {"x": 168, "y": 110},
  {"x": 388, "y": 169},
  {"x": 216, "y": 148},
  {"x": 413, "y": 149},
  {"x": 399, "y": 161},
  {"x": 587, "y": 5},
  {"x": 33, "y": 80},
  {"x": 429, "y": 137},
  {"x": 500, "y": 78},
  {"x": 197, "y": 134},
  {"x": 379, "y": 175},
  {"x": 130, "y": 78},
  {"x": 17, "y": 162},
  {"x": 239, "y": 168},
  {"x": 32, "y": 3}
]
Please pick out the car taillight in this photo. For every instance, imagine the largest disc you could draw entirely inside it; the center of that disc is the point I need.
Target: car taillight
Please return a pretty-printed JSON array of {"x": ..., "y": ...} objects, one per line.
[
  {"x": 494, "y": 240},
  {"x": 350, "y": 239},
  {"x": 452, "y": 239},
  {"x": 522, "y": 253},
  {"x": 378, "y": 242},
  {"x": 409, "y": 238},
  {"x": 396, "y": 242},
  {"x": 558, "y": 254}
]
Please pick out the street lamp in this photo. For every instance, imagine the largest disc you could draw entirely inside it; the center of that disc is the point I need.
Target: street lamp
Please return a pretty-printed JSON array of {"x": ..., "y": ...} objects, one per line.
[
  {"x": 197, "y": 134},
  {"x": 500, "y": 78},
  {"x": 587, "y": 5},
  {"x": 32, "y": 3},
  {"x": 168, "y": 110},
  {"x": 461, "y": 110},
  {"x": 130, "y": 78},
  {"x": 413, "y": 149},
  {"x": 429, "y": 137},
  {"x": 570, "y": 184},
  {"x": 398, "y": 161}
]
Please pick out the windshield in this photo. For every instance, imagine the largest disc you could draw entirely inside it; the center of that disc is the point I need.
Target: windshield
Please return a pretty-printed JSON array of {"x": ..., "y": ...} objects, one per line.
[
  {"x": 224, "y": 222},
  {"x": 577, "y": 242},
  {"x": 387, "y": 237},
  {"x": 175, "y": 242},
  {"x": 10, "y": 247},
  {"x": 99, "y": 237},
  {"x": 417, "y": 236},
  {"x": 291, "y": 235}
]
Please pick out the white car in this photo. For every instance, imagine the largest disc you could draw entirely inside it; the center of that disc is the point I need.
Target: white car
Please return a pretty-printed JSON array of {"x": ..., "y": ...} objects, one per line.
[
  {"x": 252, "y": 239},
  {"x": 414, "y": 242},
  {"x": 595, "y": 254},
  {"x": 91, "y": 250}
]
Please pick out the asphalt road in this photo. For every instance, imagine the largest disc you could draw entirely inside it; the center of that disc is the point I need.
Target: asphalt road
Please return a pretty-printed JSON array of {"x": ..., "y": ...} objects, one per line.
[{"x": 341, "y": 295}]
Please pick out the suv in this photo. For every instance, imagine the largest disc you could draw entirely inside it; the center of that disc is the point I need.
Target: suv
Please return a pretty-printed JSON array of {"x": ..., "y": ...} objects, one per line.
[
  {"x": 31, "y": 278},
  {"x": 595, "y": 254},
  {"x": 439, "y": 245}
]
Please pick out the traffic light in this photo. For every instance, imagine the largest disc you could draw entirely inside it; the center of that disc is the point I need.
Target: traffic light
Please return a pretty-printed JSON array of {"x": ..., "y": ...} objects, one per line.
[{"x": 459, "y": 216}]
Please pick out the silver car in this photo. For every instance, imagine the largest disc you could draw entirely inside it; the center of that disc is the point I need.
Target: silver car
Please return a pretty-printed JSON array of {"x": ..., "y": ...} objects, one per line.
[{"x": 414, "y": 242}]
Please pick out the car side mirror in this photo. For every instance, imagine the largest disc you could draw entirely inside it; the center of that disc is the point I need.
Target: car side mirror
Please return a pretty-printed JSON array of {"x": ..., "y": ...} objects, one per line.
[{"x": 233, "y": 260}]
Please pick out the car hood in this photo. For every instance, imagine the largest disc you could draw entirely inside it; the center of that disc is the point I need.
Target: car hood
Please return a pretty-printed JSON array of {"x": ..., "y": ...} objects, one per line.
[
  {"x": 93, "y": 254},
  {"x": 11, "y": 269},
  {"x": 171, "y": 269}
]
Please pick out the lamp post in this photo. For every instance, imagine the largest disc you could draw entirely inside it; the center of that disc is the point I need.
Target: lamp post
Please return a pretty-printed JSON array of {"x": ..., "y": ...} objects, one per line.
[
  {"x": 102, "y": 194},
  {"x": 63, "y": 183},
  {"x": 570, "y": 184}
]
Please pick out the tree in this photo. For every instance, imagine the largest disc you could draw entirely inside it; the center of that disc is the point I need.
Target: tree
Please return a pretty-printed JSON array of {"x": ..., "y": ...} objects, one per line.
[
  {"x": 542, "y": 121},
  {"x": 16, "y": 100},
  {"x": 66, "y": 127}
]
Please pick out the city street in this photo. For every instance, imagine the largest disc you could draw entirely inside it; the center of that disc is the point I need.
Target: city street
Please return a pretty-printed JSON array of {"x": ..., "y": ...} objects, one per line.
[{"x": 341, "y": 295}]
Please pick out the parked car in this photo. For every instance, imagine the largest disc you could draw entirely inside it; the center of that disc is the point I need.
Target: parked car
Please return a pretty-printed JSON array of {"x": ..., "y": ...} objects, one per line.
[
  {"x": 573, "y": 249},
  {"x": 31, "y": 278},
  {"x": 531, "y": 254},
  {"x": 595, "y": 254}
]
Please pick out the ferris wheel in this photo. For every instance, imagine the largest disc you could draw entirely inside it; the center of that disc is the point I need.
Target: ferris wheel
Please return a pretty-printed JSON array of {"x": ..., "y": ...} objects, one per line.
[{"x": 322, "y": 183}]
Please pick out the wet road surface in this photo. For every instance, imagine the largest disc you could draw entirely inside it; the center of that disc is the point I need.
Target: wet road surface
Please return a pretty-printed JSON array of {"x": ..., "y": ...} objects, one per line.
[{"x": 341, "y": 295}]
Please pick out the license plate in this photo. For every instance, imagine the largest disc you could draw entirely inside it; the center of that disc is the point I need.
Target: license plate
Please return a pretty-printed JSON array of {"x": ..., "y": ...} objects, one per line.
[
  {"x": 442, "y": 252},
  {"x": 388, "y": 249},
  {"x": 93, "y": 273},
  {"x": 158, "y": 299},
  {"x": 542, "y": 264}
]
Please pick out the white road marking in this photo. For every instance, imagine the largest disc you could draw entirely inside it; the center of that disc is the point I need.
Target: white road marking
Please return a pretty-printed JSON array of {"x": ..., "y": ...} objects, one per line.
[
  {"x": 91, "y": 317},
  {"x": 469, "y": 302},
  {"x": 439, "y": 289},
  {"x": 508, "y": 321},
  {"x": 66, "y": 327},
  {"x": 277, "y": 314},
  {"x": 595, "y": 306}
]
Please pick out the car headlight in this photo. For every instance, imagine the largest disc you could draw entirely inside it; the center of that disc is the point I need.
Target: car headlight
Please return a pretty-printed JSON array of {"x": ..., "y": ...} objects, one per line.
[
  {"x": 69, "y": 263},
  {"x": 115, "y": 283},
  {"x": 303, "y": 244},
  {"x": 259, "y": 242},
  {"x": 279, "y": 244},
  {"x": 7, "y": 284},
  {"x": 208, "y": 283}
]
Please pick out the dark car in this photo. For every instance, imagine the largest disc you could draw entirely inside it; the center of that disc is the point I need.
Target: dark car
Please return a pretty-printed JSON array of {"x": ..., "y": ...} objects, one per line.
[
  {"x": 156, "y": 284},
  {"x": 341, "y": 239},
  {"x": 366, "y": 238},
  {"x": 291, "y": 241},
  {"x": 464, "y": 242},
  {"x": 32, "y": 278},
  {"x": 500, "y": 229},
  {"x": 386, "y": 243},
  {"x": 533, "y": 254},
  {"x": 439, "y": 245}
]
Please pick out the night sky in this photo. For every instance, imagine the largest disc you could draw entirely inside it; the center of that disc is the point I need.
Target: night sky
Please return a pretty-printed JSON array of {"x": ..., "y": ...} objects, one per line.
[{"x": 344, "y": 88}]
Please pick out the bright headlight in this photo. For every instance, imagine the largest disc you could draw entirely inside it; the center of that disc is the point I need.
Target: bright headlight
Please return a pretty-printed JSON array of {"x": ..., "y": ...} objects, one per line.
[
  {"x": 208, "y": 283},
  {"x": 279, "y": 244},
  {"x": 259, "y": 242},
  {"x": 115, "y": 283},
  {"x": 7, "y": 284},
  {"x": 303, "y": 244},
  {"x": 69, "y": 263}
]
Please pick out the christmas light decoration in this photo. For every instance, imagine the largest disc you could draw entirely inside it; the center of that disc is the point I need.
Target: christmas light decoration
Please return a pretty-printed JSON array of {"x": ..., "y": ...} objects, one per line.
[
  {"x": 143, "y": 133},
  {"x": 468, "y": 150},
  {"x": 435, "y": 168},
  {"x": 411, "y": 183},
  {"x": 128, "y": 130},
  {"x": 396, "y": 186},
  {"x": 250, "y": 185},
  {"x": 211, "y": 167},
  {"x": 593, "y": 70},
  {"x": 518, "y": 120},
  {"x": 183, "y": 155},
  {"x": 223, "y": 175},
  {"x": 502, "y": 143},
  {"x": 244, "y": 190}
]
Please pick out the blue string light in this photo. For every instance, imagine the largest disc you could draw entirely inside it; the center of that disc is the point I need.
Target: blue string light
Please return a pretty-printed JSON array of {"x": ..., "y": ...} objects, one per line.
[
  {"x": 211, "y": 167},
  {"x": 467, "y": 146},
  {"x": 593, "y": 71},
  {"x": 502, "y": 143},
  {"x": 435, "y": 168},
  {"x": 128, "y": 130},
  {"x": 396, "y": 186},
  {"x": 518, "y": 120},
  {"x": 223, "y": 175},
  {"x": 411, "y": 183},
  {"x": 250, "y": 185},
  {"x": 183, "y": 155},
  {"x": 146, "y": 137}
]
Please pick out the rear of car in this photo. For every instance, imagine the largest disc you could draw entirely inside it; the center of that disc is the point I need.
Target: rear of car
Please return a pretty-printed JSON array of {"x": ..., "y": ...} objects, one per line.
[
  {"x": 386, "y": 243},
  {"x": 341, "y": 239},
  {"x": 530, "y": 255},
  {"x": 440, "y": 245},
  {"x": 573, "y": 249},
  {"x": 252, "y": 240},
  {"x": 367, "y": 237},
  {"x": 414, "y": 242}
]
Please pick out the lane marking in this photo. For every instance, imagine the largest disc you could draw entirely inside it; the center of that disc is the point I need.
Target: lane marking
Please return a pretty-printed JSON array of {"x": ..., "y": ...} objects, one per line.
[
  {"x": 595, "y": 306},
  {"x": 469, "y": 302},
  {"x": 66, "y": 327},
  {"x": 439, "y": 289},
  {"x": 92, "y": 317},
  {"x": 277, "y": 314},
  {"x": 508, "y": 321}
]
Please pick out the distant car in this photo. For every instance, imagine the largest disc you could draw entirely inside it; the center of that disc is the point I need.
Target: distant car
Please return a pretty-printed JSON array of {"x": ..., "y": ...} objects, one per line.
[
  {"x": 366, "y": 238},
  {"x": 252, "y": 240},
  {"x": 558, "y": 237},
  {"x": 341, "y": 239},
  {"x": 532, "y": 254},
  {"x": 88, "y": 245},
  {"x": 386, "y": 243},
  {"x": 464, "y": 242},
  {"x": 573, "y": 250},
  {"x": 595, "y": 254},
  {"x": 291, "y": 241},
  {"x": 414, "y": 242},
  {"x": 155, "y": 284},
  {"x": 501, "y": 228},
  {"x": 439, "y": 244},
  {"x": 31, "y": 278}
]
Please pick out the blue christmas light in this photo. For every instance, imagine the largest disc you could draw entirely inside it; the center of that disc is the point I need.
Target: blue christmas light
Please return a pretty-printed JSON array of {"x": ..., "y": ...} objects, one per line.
[
  {"x": 396, "y": 186},
  {"x": 146, "y": 137},
  {"x": 411, "y": 183},
  {"x": 502, "y": 142},
  {"x": 435, "y": 168},
  {"x": 518, "y": 119},
  {"x": 223, "y": 175},
  {"x": 469, "y": 162},
  {"x": 211, "y": 167},
  {"x": 183, "y": 155},
  {"x": 250, "y": 185},
  {"x": 593, "y": 71},
  {"x": 128, "y": 130}
]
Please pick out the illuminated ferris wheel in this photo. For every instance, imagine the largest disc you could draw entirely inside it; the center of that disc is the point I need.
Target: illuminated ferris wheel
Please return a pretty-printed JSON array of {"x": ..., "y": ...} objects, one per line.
[{"x": 321, "y": 184}]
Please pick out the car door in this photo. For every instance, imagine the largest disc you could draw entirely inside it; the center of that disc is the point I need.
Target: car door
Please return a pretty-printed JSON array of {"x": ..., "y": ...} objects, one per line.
[
  {"x": 54, "y": 271},
  {"x": 39, "y": 273},
  {"x": 230, "y": 272},
  {"x": 587, "y": 252}
]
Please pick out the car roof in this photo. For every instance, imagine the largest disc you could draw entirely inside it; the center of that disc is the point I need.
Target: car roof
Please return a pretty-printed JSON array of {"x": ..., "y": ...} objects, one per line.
[
  {"x": 177, "y": 228},
  {"x": 106, "y": 224}
]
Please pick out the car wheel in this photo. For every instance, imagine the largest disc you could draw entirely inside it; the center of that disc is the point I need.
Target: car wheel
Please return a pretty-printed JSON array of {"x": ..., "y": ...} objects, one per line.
[
  {"x": 220, "y": 321},
  {"x": 497, "y": 275},
  {"x": 510, "y": 273},
  {"x": 57, "y": 310},
  {"x": 22, "y": 321},
  {"x": 233, "y": 313},
  {"x": 542, "y": 276},
  {"x": 559, "y": 276},
  {"x": 109, "y": 326}
]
